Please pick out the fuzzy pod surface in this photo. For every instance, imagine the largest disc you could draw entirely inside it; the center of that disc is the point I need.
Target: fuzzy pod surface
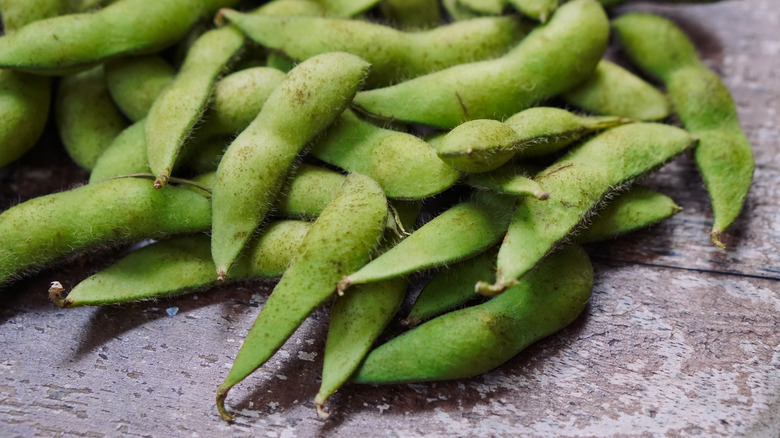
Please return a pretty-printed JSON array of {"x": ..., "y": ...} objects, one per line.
[{"x": 134, "y": 82}]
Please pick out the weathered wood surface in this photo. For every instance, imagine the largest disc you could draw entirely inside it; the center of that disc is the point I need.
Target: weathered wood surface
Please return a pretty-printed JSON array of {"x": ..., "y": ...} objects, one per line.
[{"x": 680, "y": 339}]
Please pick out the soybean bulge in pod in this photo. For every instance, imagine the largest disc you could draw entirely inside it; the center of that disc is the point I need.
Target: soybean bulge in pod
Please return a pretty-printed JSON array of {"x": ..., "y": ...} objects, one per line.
[
  {"x": 257, "y": 162},
  {"x": 339, "y": 241},
  {"x": 551, "y": 59},
  {"x": 704, "y": 105},
  {"x": 474, "y": 340}
]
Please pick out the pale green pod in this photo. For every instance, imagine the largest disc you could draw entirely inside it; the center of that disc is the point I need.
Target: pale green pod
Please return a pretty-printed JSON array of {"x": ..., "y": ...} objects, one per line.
[
  {"x": 292, "y": 7},
  {"x": 43, "y": 230},
  {"x": 614, "y": 91},
  {"x": 356, "y": 321},
  {"x": 545, "y": 130},
  {"x": 394, "y": 55},
  {"x": 183, "y": 265},
  {"x": 577, "y": 183},
  {"x": 479, "y": 146},
  {"x": 280, "y": 61},
  {"x": 256, "y": 164},
  {"x": 77, "y": 6},
  {"x": 411, "y": 14},
  {"x": 484, "y": 7},
  {"x": 462, "y": 231},
  {"x": 457, "y": 11},
  {"x": 509, "y": 179},
  {"x": 18, "y": 13},
  {"x": 88, "y": 120},
  {"x": 70, "y": 43},
  {"x": 135, "y": 82},
  {"x": 176, "y": 110},
  {"x": 339, "y": 241},
  {"x": 308, "y": 191},
  {"x": 474, "y": 340},
  {"x": 551, "y": 59},
  {"x": 404, "y": 165},
  {"x": 125, "y": 155},
  {"x": 347, "y": 8},
  {"x": 705, "y": 106},
  {"x": 539, "y": 10}
]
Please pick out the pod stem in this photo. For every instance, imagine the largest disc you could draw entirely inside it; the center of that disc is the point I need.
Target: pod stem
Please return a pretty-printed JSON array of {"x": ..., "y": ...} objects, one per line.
[
  {"x": 56, "y": 295},
  {"x": 167, "y": 179},
  {"x": 222, "y": 393},
  {"x": 490, "y": 290},
  {"x": 343, "y": 285},
  {"x": 715, "y": 239},
  {"x": 319, "y": 406}
]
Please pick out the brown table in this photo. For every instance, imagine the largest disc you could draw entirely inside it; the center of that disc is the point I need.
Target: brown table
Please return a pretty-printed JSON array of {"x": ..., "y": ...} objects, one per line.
[{"x": 680, "y": 338}]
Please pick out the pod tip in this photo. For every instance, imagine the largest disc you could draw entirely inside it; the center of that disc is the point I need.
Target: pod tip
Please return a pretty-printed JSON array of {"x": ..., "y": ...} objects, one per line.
[
  {"x": 56, "y": 295},
  {"x": 343, "y": 285},
  {"x": 321, "y": 412},
  {"x": 221, "y": 396},
  {"x": 161, "y": 181},
  {"x": 715, "y": 239},
  {"x": 221, "y": 275},
  {"x": 490, "y": 290}
]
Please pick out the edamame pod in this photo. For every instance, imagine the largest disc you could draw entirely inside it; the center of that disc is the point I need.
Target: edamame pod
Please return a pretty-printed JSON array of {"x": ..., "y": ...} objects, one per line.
[
  {"x": 88, "y": 120},
  {"x": 404, "y": 165},
  {"x": 411, "y": 14},
  {"x": 460, "y": 232},
  {"x": 394, "y": 55},
  {"x": 339, "y": 241},
  {"x": 510, "y": 179},
  {"x": 135, "y": 82},
  {"x": 18, "y": 13},
  {"x": 614, "y": 91},
  {"x": 308, "y": 191},
  {"x": 42, "y": 230},
  {"x": 484, "y": 7},
  {"x": 478, "y": 146},
  {"x": 256, "y": 164},
  {"x": 477, "y": 339},
  {"x": 182, "y": 265},
  {"x": 577, "y": 183},
  {"x": 539, "y": 10},
  {"x": 551, "y": 59},
  {"x": 176, "y": 110},
  {"x": 124, "y": 156},
  {"x": 703, "y": 103}
]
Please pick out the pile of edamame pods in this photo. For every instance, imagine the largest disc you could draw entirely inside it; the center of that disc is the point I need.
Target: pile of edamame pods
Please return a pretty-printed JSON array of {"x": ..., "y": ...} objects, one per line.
[{"x": 298, "y": 140}]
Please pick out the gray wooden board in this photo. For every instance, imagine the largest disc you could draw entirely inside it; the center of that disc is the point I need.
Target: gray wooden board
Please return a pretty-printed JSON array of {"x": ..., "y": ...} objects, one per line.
[{"x": 680, "y": 339}]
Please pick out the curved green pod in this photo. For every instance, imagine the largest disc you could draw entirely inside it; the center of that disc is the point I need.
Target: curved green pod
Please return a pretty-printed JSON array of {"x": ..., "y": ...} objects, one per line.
[
  {"x": 474, "y": 340},
  {"x": 577, "y": 183},
  {"x": 125, "y": 155},
  {"x": 70, "y": 43},
  {"x": 180, "y": 105},
  {"x": 411, "y": 14},
  {"x": 404, "y": 165},
  {"x": 703, "y": 103},
  {"x": 339, "y": 241},
  {"x": 134, "y": 82},
  {"x": 614, "y": 91},
  {"x": 462, "y": 231},
  {"x": 18, "y": 13},
  {"x": 308, "y": 191},
  {"x": 484, "y": 7},
  {"x": 256, "y": 164},
  {"x": 509, "y": 179},
  {"x": 182, "y": 265},
  {"x": 394, "y": 55},
  {"x": 550, "y": 60},
  {"x": 87, "y": 118},
  {"x": 539, "y": 10},
  {"x": 478, "y": 146},
  {"x": 42, "y": 230}
]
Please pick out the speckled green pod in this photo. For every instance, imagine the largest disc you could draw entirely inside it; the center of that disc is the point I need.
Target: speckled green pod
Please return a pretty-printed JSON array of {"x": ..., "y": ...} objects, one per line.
[
  {"x": 404, "y": 165},
  {"x": 135, "y": 82},
  {"x": 74, "y": 42},
  {"x": 577, "y": 183},
  {"x": 460, "y": 232},
  {"x": 308, "y": 191},
  {"x": 550, "y": 60},
  {"x": 703, "y": 103},
  {"x": 88, "y": 120},
  {"x": 183, "y": 265},
  {"x": 256, "y": 164},
  {"x": 509, "y": 179},
  {"x": 125, "y": 155},
  {"x": 477, "y": 339},
  {"x": 545, "y": 130},
  {"x": 394, "y": 55},
  {"x": 42, "y": 230},
  {"x": 180, "y": 105},
  {"x": 339, "y": 241},
  {"x": 478, "y": 146},
  {"x": 356, "y": 321},
  {"x": 18, "y": 13},
  {"x": 411, "y": 14},
  {"x": 614, "y": 91},
  {"x": 539, "y": 10}
]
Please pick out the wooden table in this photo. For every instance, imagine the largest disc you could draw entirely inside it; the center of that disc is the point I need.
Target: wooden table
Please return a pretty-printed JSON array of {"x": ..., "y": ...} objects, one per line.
[{"x": 680, "y": 338}]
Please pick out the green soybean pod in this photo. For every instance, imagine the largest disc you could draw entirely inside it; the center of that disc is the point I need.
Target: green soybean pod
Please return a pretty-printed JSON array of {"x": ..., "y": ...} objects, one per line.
[
  {"x": 356, "y": 321},
  {"x": 462, "y": 231},
  {"x": 474, "y": 340},
  {"x": 76, "y": 6},
  {"x": 308, "y": 191},
  {"x": 509, "y": 179},
  {"x": 87, "y": 118},
  {"x": 539, "y": 10},
  {"x": 339, "y": 241},
  {"x": 577, "y": 183},
  {"x": 182, "y": 265},
  {"x": 551, "y": 59},
  {"x": 478, "y": 146},
  {"x": 180, "y": 105},
  {"x": 394, "y": 55},
  {"x": 705, "y": 106},
  {"x": 18, "y": 13},
  {"x": 134, "y": 82},
  {"x": 37, "y": 232},
  {"x": 70, "y": 43},
  {"x": 256, "y": 164},
  {"x": 614, "y": 91},
  {"x": 411, "y": 14},
  {"x": 404, "y": 165},
  {"x": 292, "y": 7},
  {"x": 485, "y": 7},
  {"x": 457, "y": 11}
]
